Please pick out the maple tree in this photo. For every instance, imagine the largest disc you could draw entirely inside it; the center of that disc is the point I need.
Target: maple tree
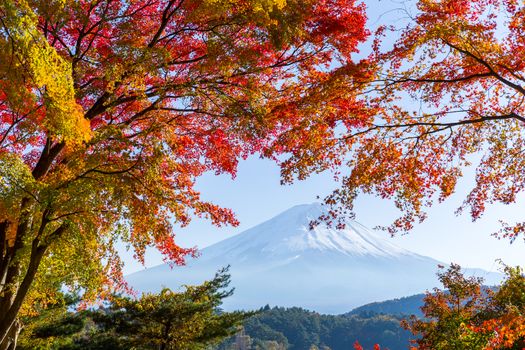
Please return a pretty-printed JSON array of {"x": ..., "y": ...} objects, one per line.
[
  {"x": 504, "y": 317},
  {"x": 358, "y": 346},
  {"x": 449, "y": 95},
  {"x": 466, "y": 315},
  {"x": 110, "y": 109},
  {"x": 448, "y": 313}
]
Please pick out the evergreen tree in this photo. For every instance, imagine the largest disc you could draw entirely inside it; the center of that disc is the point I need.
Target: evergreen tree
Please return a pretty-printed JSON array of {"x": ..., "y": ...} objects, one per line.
[{"x": 166, "y": 321}]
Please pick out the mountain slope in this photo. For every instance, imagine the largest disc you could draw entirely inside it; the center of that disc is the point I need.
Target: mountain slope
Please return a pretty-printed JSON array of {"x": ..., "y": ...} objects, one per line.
[
  {"x": 288, "y": 233},
  {"x": 281, "y": 262}
]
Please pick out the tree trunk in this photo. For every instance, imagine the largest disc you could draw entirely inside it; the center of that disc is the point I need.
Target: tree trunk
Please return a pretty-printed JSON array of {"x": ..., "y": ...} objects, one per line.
[
  {"x": 4, "y": 256},
  {"x": 11, "y": 339},
  {"x": 12, "y": 301},
  {"x": 12, "y": 291}
]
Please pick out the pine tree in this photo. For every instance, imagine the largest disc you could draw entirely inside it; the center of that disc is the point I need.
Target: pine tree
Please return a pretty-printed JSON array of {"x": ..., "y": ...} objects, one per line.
[{"x": 166, "y": 321}]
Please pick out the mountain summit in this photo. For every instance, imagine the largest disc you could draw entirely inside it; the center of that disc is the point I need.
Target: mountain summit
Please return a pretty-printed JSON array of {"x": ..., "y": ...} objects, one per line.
[
  {"x": 289, "y": 233},
  {"x": 282, "y": 262}
]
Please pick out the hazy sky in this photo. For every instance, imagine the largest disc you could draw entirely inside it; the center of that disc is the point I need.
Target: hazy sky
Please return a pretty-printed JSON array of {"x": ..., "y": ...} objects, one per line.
[{"x": 255, "y": 195}]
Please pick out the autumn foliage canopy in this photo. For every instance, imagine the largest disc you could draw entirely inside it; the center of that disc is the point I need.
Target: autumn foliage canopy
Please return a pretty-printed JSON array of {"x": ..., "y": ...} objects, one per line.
[
  {"x": 467, "y": 315},
  {"x": 110, "y": 109},
  {"x": 449, "y": 94}
]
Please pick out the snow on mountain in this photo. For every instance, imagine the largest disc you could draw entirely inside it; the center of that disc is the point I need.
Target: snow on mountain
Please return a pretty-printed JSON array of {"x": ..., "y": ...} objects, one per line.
[
  {"x": 282, "y": 262},
  {"x": 289, "y": 233}
]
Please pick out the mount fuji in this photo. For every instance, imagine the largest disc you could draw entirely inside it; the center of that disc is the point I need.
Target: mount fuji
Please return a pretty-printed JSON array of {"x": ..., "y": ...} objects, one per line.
[{"x": 281, "y": 262}]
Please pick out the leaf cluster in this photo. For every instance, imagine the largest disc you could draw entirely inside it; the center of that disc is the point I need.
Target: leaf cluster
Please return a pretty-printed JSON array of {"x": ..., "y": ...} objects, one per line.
[{"x": 465, "y": 315}]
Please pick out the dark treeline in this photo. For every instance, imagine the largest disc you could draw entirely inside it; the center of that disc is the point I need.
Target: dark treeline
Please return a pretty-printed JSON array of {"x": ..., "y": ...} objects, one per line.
[{"x": 299, "y": 329}]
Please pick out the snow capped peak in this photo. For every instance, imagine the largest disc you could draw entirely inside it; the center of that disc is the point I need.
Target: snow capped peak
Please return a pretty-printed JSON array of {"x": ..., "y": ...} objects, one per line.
[
  {"x": 282, "y": 262},
  {"x": 289, "y": 234}
]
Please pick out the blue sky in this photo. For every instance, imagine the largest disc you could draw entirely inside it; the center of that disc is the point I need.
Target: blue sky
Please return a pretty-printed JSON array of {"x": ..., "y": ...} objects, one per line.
[{"x": 256, "y": 195}]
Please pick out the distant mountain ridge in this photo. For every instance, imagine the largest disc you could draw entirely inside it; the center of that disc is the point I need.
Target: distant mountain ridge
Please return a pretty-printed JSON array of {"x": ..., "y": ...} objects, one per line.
[
  {"x": 281, "y": 262},
  {"x": 405, "y": 306}
]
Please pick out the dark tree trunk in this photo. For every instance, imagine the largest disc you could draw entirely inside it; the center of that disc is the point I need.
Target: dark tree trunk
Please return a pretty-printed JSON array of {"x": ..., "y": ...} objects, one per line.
[
  {"x": 15, "y": 283},
  {"x": 4, "y": 261},
  {"x": 12, "y": 301},
  {"x": 11, "y": 339}
]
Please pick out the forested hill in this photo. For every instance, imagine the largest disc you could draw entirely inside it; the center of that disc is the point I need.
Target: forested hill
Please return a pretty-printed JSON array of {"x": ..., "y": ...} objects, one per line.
[
  {"x": 405, "y": 306},
  {"x": 299, "y": 329},
  {"x": 401, "y": 307}
]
